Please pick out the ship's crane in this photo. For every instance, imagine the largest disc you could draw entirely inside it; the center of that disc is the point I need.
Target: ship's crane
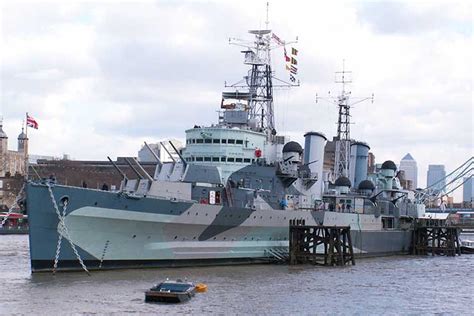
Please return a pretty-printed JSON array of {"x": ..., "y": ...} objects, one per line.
[{"x": 452, "y": 181}]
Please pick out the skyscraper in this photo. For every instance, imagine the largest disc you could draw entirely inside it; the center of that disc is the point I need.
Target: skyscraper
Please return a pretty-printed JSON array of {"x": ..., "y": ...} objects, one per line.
[
  {"x": 408, "y": 164},
  {"x": 468, "y": 192},
  {"x": 435, "y": 176}
]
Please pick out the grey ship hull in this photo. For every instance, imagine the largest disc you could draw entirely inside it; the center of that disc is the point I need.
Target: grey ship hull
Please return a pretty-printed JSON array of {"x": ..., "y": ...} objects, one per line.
[{"x": 113, "y": 230}]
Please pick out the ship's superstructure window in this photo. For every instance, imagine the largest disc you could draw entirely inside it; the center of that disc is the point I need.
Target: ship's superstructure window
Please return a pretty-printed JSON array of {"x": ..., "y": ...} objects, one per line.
[
  {"x": 216, "y": 141},
  {"x": 221, "y": 159}
]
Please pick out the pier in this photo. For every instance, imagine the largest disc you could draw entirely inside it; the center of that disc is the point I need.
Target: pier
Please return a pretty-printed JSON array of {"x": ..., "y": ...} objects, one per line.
[
  {"x": 435, "y": 237},
  {"x": 335, "y": 240}
]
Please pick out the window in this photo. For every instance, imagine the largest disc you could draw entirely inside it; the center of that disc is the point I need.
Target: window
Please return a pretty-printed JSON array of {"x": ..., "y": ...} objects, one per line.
[
  {"x": 231, "y": 141},
  {"x": 247, "y": 160},
  {"x": 207, "y": 158},
  {"x": 192, "y": 158},
  {"x": 208, "y": 140},
  {"x": 199, "y": 141},
  {"x": 223, "y": 159},
  {"x": 239, "y": 142},
  {"x": 199, "y": 159},
  {"x": 215, "y": 158},
  {"x": 238, "y": 159},
  {"x": 216, "y": 141},
  {"x": 224, "y": 141},
  {"x": 193, "y": 141},
  {"x": 230, "y": 159}
]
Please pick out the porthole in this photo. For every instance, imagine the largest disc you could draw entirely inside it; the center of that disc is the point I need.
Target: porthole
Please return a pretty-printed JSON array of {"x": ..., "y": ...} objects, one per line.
[
  {"x": 134, "y": 236},
  {"x": 175, "y": 237}
]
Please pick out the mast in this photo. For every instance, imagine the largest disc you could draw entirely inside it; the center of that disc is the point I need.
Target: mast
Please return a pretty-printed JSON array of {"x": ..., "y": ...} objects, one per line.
[
  {"x": 344, "y": 102},
  {"x": 343, "y": 138},
  {"x": 258, "y": 85}
]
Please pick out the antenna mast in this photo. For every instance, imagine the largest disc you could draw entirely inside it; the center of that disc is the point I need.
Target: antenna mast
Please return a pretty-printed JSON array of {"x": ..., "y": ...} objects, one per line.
[
  {"x": 343, "y": 138},
  {"x": 259, "y": 80}
]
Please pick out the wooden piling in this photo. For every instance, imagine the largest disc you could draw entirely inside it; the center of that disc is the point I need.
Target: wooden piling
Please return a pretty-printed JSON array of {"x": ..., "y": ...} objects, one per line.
[
  {"x": 435, "y": 238},
  {"x": 320, "y": 245}
]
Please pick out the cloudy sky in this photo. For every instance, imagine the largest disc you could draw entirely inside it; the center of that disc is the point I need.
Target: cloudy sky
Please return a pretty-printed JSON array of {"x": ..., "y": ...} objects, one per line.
[{"x": 101, "y": 77}]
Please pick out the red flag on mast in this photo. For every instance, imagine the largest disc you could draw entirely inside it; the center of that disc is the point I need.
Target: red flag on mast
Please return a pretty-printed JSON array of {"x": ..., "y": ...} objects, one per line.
[{"x": 31, "y": 122}]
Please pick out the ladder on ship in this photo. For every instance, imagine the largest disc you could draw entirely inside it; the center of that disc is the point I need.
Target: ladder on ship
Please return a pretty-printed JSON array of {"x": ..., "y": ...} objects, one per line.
[{"x": 278, "y": 254}]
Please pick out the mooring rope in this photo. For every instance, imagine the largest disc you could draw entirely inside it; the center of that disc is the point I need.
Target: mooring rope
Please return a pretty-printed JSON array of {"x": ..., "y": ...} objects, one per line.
[{"x": 63, "y": 232}]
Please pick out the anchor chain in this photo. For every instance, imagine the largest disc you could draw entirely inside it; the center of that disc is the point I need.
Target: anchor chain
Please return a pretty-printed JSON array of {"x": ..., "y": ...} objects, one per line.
[
  {"x": 63, "y": 232},
  {"x": 10, "y": 209}
]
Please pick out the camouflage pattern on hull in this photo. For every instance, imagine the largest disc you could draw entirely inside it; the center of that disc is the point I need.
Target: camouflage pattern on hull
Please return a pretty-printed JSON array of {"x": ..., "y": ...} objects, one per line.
[{"x": 113, "y": 230}]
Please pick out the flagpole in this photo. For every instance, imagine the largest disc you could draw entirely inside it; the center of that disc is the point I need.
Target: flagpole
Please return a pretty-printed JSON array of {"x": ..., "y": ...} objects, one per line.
[{"x": 25, "y": 148}]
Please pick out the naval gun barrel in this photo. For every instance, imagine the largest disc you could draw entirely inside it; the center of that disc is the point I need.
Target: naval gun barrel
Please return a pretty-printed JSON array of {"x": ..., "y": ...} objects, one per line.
[
  {"x": 142, "y": 169},
  {"x": 167, "y": 151},
  {"x": 177, "y": 152},
  {"x": 124, "y": 176},
  {"x": 154, "y": 154},
  {"x": 134, "y": 170}
]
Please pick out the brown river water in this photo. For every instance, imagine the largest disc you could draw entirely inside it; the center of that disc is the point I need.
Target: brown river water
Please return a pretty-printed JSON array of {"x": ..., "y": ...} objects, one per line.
[{"x": 381, "y": 286}]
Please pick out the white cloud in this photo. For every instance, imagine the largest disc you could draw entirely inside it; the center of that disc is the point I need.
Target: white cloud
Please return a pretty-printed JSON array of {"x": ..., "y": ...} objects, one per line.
[{"x": 101, "y": 77}]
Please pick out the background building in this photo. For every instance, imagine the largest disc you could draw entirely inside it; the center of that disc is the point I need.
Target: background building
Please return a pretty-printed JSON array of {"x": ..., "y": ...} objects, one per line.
[
  {"x": 86, "y": 173},
  {"x": 12, "y": 167},
  {"x": 12, "y": 162},
  {"x": 144, "y": 154},
  {"x": 434, "y": 175},
  {"x": 408, "y": 165},
  {"x": 468, "y": 192},
  {"x": 371, "y": 163}
]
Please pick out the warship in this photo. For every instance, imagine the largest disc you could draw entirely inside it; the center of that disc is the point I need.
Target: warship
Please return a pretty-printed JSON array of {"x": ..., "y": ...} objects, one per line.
[{"x": 229, "y": 197}]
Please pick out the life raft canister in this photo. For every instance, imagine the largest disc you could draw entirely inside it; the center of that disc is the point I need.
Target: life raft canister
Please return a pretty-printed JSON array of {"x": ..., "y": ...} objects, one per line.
[{"x": 258, "y": 153}]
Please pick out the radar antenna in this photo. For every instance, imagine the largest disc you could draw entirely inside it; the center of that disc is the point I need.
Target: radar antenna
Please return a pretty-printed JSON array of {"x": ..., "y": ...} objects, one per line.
[
  {"x": 259, "y": 80},
  {"x": 343, "y": 139}
]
